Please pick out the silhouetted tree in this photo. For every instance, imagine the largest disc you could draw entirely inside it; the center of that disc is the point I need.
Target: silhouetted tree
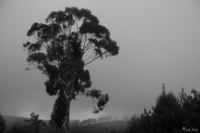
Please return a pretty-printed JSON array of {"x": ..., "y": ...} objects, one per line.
[
  {"x": 190, "y": 108},
  {"x": 59, "y": 51},
  {"x": 37, "y": 123},
  {"x": 2, "y": 124},
  {"x": 140, "y": 124},
  {"x": 166, "y": 113},
  {"x": 165, "y": 116}
]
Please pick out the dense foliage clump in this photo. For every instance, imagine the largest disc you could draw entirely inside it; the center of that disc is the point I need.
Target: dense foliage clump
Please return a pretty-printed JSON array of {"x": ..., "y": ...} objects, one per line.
[{"x": 171, "y": 114}]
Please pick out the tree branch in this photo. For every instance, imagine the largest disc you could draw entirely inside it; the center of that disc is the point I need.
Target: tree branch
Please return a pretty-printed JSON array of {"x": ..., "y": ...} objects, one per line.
[
  {"x": 86, "y": 47},
  {"x": 45, "y": 46},
  {"x": 80, "y": 94},
  {"x": 89, "y": 48},
  {"x": 76, "y": 25},
  {"x": 84, "y": 40},
  {"x": 91, "y": 60},
  {"x": 94, "y": 59},
  {"x": 90, "y": 57},
  {"x": 40, "y": 68}
]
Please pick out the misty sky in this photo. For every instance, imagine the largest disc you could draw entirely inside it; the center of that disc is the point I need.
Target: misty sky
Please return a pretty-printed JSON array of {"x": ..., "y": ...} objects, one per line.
[{"x": 159, "y": 43}]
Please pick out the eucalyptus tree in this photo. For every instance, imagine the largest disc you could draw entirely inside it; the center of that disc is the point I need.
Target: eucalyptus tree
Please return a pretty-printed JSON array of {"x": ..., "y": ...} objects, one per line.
[{"x": 64, "y": 45}]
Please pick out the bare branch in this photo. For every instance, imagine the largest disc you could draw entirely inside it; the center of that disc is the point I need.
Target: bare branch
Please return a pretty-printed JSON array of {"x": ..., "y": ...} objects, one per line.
[
  {"x": 80, "y": 94},
  {"x": 85, "y": 40},
  {"x": 92, "y": 56},
  {"x": 27, "y": 68},
  {"x": 93, "y": 104},
  {"x": 91, "y": 60},
  {"x": 89, "y": 48},
  {"x": 70, "y": 27},
  {"x": 40, "y": 68},
  {"x": 45, "y": 46},
  {"x": 34, "y": 35},
  {"x": 76, "y": 24},
  {"x": 94, "y": 59}
]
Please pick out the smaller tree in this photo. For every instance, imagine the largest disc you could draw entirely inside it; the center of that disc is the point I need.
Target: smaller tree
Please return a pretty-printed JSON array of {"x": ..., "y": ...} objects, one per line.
[
  {"x": 166, "y": 113},
  {"x": 2, "y": 124},
  {"x": 35, "y": 122}
]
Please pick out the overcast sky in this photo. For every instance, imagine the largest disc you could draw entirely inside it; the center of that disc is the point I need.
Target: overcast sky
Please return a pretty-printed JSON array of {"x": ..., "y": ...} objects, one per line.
[{"x": 159, "y": 43}]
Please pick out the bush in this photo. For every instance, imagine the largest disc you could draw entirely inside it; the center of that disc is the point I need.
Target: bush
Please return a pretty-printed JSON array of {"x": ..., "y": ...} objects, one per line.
[{"x": 2, "y": 124}]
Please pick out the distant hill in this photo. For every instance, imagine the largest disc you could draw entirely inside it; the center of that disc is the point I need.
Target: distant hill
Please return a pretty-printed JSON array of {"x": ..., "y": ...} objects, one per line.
[
  {"x": 95, "y": 128},
  {"x": 10, "y": 120},
  {"x": 100, "y": 128}
]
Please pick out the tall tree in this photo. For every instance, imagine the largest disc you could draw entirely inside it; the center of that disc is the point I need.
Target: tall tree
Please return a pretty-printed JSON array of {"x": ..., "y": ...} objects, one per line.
[
  {"x": 166, "y": 113},
  {"x": 165, "y": 117},
  {"x": 2, "y": 124},
  {"x": 190, "y": 108},
  {"x": 60, "y": 52}
]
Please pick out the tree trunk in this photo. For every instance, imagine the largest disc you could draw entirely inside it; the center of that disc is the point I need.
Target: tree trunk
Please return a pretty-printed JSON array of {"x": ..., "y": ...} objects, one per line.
[{"x": 67, "y": 119}]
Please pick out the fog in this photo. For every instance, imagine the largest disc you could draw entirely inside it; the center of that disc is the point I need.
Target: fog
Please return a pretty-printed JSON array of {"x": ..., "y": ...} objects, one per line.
[{"x": 158, "y": 40}]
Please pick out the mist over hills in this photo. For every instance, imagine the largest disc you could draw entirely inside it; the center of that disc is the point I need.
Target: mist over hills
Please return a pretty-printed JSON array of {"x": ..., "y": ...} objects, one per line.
[
  {"x": 10, "y": 120},
  {"x": 118, "y": 125}
]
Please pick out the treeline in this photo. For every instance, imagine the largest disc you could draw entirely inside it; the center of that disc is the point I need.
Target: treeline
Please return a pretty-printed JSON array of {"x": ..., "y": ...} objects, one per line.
[
  {"x": 34, "y": 124},
  {"x": 90, "y": 121},
  {"x": 171, "y": 114}
]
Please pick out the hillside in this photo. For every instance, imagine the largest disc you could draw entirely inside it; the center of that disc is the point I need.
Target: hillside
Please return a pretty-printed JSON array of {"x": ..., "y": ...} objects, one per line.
[
  {"x": 10, "y": 120},
  {"x": 100, "y": 128},
  {"x": 97, "y": 128}
]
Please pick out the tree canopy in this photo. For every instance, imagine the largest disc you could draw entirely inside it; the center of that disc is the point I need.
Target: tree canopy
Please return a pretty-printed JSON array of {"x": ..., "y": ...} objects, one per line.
[{"x": 59, "y": 52}]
